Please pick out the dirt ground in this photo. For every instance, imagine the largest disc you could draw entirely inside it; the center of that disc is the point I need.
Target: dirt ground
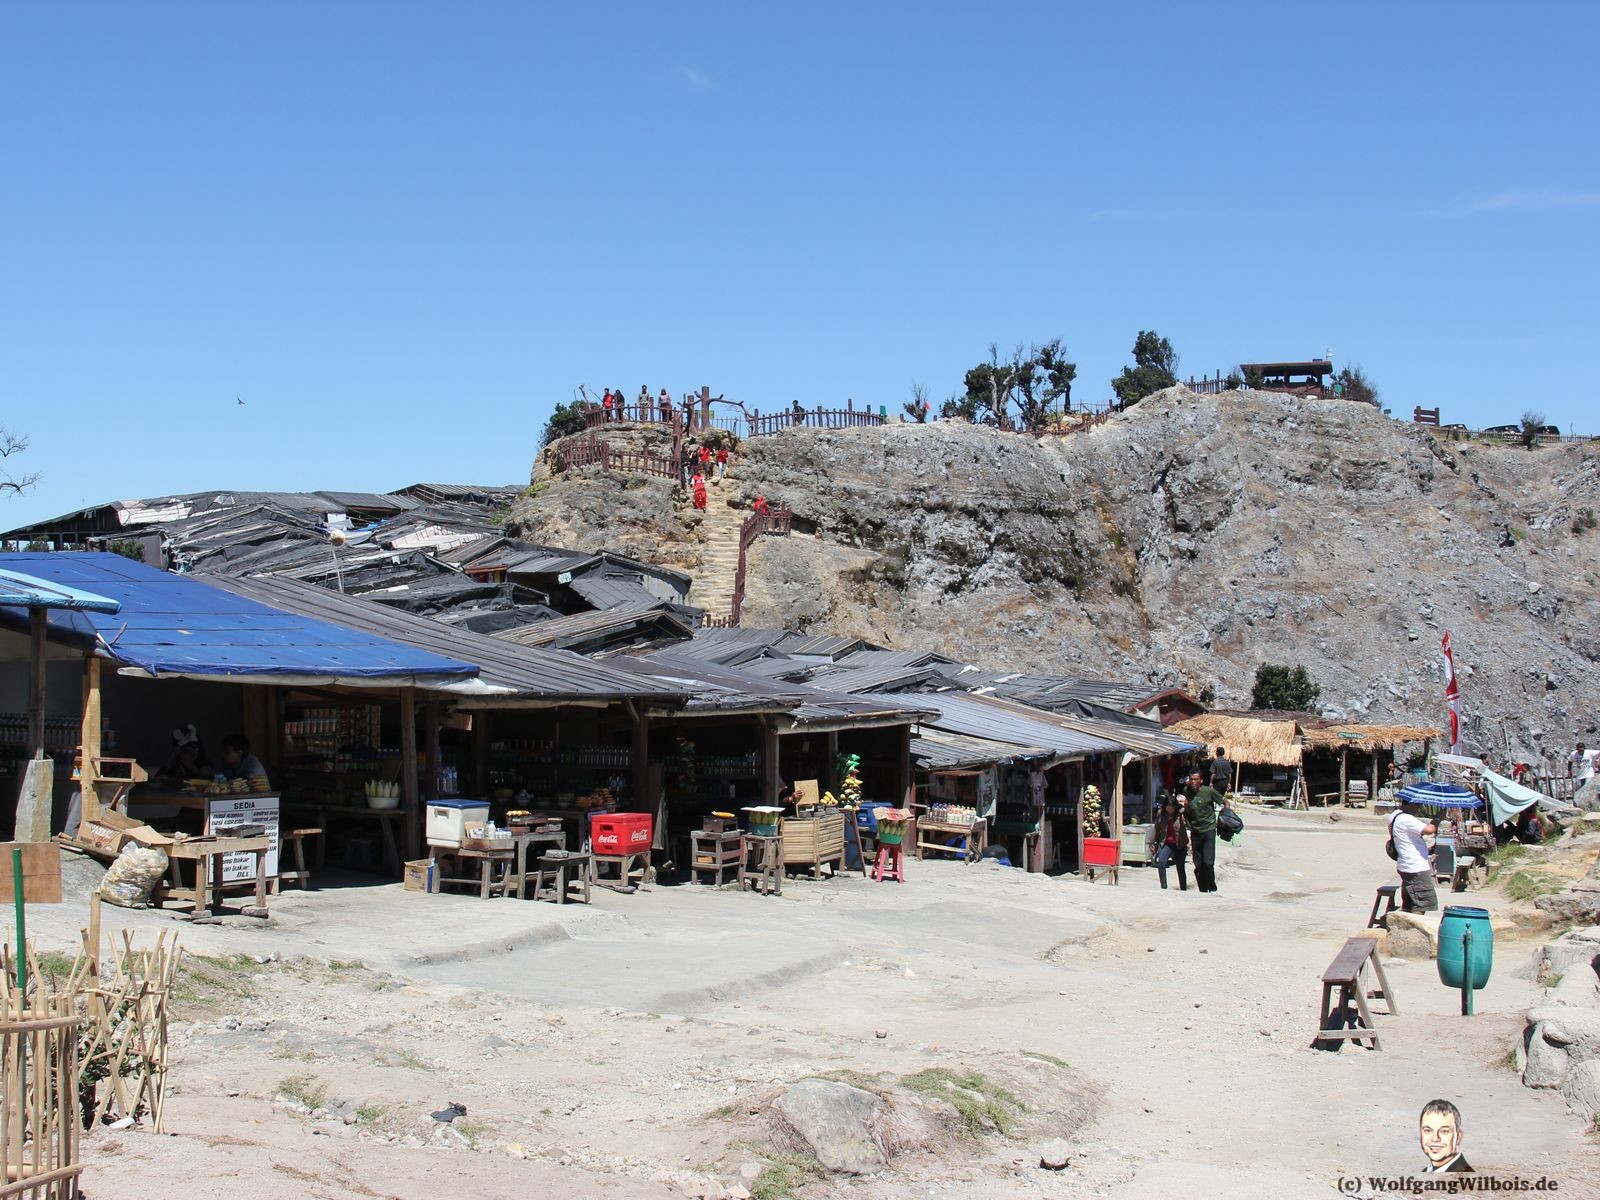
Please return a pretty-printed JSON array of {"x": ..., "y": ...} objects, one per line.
[{"x": 630, "y": 1048}]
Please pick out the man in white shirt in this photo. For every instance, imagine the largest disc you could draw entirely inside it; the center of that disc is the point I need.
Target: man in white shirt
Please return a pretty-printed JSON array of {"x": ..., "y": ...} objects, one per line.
[
  {"x": 1580, "y": 765},
  {"x": 1413, "y": 859}
]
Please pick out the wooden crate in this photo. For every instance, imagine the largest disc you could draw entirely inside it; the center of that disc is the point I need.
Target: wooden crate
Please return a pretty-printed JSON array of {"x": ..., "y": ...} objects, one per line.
[{"x": 812, "y": 841}]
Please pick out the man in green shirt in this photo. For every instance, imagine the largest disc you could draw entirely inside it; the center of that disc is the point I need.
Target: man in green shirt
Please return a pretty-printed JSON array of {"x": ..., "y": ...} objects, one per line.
[{"x": 1202, "y": 815}]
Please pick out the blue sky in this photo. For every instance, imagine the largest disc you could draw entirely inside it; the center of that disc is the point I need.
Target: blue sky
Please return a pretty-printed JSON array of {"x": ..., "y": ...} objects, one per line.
[{"x": 402, "y": 232}]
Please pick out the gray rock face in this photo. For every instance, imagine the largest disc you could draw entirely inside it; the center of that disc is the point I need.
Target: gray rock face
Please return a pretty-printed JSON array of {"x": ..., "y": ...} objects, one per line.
[
  {"x": 837, "y": 1122},
  {"x": 1182, "y": 542}
]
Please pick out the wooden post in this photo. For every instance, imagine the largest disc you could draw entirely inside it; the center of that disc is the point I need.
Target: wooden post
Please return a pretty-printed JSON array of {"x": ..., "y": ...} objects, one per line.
[
  {"x": 89, "y": 741},
  {"x": 1372, "y": 793},
  {"x": 36, "y": 645},
  {"x": 830, "y": 770},
  {"x": 769, "y": 761},
  {"x": 430, "y": 748},
  {"x": 1116, "y": 798},
  {"x": 411, "y": 823},
  {"x": 1344, "y": 771},
  {"x": 1083, "y": 782},
  {"x": 705, "y": 408},
  {"x": 642, "y": 800},
  {"x": 906, "y": 777},
  {"x": 480, "y": 752}
]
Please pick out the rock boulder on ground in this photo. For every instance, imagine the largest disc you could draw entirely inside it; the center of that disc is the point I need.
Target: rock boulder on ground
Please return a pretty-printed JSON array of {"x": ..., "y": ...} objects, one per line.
[
  {"x": 1412, "y": 935},
  {"x": 838, "y": 1124},
  {"x": 1578, "y": 950},
  {"x": 1563, "y": 1052}
]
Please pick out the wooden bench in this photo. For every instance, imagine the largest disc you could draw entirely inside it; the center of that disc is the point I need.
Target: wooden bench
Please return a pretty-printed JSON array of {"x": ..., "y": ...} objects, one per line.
[
  {"x": 560, "y": 872},
  {"x": 1379, "y": 920},
  {"x": 1348, "y": 974},
  {"x": 292, "y": 844},
  {"x": 935, "y": 836},
  {"x": 1356, "y": 794}
]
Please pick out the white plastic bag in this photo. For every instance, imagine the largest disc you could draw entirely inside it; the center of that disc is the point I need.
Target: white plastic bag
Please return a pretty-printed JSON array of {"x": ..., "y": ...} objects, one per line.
[{"x": 130, "y": 880}]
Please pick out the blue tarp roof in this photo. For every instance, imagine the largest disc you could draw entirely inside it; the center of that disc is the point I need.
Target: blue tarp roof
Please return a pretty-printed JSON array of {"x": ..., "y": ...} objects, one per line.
[
  {"x": 177, "y": 625},
  {"x": 31, "y": 592},
  {"x": 1440, "y": 795}
]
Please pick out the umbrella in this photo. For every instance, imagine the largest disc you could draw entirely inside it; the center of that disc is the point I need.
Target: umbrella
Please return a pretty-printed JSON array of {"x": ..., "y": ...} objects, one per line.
[{"x": 1440, "y": 795}]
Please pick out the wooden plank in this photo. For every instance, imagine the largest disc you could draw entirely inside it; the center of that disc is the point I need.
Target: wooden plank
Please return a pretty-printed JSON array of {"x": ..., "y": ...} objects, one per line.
[
  {"x": 89, "y": 739},
  {"x": 411, "y": 838},
  {"x": 1347, "y": 964},
  {"x": 41, "y": 872}
]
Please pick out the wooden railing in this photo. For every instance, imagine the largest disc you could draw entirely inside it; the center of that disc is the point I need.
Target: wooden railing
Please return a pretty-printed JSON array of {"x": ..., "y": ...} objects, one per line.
[
  {"x": 592, "y": 452},
  {"x": 849, "y": 417},
  {"x": 775, "y": 522},
  {"x": 1207, "y": 387}
]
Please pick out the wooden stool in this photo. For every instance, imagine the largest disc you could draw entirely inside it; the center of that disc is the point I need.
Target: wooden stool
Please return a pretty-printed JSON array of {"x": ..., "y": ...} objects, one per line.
[
  {"x": 766, "y": 872},
  {"x": 627, "y": 866},
  {"x": 293, "y": 841},
  {"x": 890, "y": 864},
  {"x": 717, "y": 854},
  {"x": 558, "y": 873},
  {"x": 1378, "y": 920}
]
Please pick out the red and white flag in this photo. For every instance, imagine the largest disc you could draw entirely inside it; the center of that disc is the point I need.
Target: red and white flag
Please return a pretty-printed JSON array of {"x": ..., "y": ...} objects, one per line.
[{"x": 1452, "y": 696}]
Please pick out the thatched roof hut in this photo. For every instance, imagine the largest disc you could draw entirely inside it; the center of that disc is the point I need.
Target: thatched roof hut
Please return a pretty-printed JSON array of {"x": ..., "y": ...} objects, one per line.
[
  {"x": 1280, "y": 739},
  {"x": 1254, "y": 740}
]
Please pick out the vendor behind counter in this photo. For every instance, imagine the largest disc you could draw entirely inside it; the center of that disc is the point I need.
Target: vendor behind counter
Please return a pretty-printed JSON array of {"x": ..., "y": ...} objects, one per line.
[{"x": 239, "y": 763}]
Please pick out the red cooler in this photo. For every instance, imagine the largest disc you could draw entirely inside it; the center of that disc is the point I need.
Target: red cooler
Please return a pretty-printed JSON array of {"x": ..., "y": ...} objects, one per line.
[{"x": 616, "y": 834}]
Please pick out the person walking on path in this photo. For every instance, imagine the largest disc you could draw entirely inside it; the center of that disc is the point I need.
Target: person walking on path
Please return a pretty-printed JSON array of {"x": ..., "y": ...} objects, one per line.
[
  {"x": 722, "y": 463},
  {"x": 1171, "y": 843},
  {"x": 1222, "y": 771},
  {"x": 1201, "y": 814},
  {"x": 1580, "y": 765},
  {"x": 1413, "y": 859},
  {"x": 700, "y": 492}
]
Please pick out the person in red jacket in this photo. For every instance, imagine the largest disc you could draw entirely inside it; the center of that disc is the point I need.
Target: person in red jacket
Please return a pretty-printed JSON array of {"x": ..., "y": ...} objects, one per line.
[
  {"x": 722, "y": 463},
  {"x": 699, "y": 491},
  {"x": 760, "y": 506},
  {"x": 705, "y": 458},
  {"x": 605, "y": 403}
]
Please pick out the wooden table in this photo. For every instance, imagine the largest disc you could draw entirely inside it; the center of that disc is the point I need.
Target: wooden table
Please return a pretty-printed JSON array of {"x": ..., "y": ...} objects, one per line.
[
  {"x": 975, "y": 832},
  {"x": 387, "y": 820},
  {"x": 206, "y": 853}
]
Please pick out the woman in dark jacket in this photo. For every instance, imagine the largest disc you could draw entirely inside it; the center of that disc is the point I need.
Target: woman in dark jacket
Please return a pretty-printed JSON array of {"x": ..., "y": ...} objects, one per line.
[{"x": 1172, "y": 843}]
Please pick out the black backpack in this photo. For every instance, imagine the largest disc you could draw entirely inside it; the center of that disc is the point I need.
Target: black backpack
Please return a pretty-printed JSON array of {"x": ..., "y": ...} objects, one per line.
[{"x": 1229, "y": 824}]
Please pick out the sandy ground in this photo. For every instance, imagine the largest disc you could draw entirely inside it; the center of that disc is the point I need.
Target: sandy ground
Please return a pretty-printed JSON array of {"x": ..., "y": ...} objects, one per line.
[{"x": 628, "y": 1049}]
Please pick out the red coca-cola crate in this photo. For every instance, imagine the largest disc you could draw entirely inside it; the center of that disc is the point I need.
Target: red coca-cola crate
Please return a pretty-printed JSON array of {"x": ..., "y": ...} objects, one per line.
[
  {"x": 621, "y": 833},
  {"x": 1102, "y": 852}
]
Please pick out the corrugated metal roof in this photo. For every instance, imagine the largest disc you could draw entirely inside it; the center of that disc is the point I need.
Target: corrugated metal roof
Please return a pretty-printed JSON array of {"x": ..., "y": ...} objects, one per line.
[
  {"x": 175, "y": 625},
  {"x": 939, "y": 750},
  {"x": 582, "y": 630},
  {"x": 519, "y": 671},
  {"x": 1002, "y": 721},
  {"x": 818, "y": 645},
  {"x": 840, "y": 677},
  {"x": 717, "y": 688},
  {"x": 613, "y": 591}
]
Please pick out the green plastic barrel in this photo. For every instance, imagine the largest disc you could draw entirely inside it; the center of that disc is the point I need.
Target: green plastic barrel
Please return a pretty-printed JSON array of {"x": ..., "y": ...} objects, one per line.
[{"x": 1454, "y": 963}]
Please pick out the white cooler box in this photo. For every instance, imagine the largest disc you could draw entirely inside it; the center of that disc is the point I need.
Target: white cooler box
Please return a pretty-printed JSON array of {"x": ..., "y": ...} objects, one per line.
[{"x": 448, "y": 819}]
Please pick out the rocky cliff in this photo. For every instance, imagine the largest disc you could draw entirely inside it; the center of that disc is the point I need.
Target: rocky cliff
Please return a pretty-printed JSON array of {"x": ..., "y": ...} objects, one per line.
[{"x": 1182, "y": 542}]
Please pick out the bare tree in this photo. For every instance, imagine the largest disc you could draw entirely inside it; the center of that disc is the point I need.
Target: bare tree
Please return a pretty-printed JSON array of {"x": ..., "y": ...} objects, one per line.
[
  {"x": 10, "y": 444},
  {"x": 916, "y": 408},
  {"x": 1532, "y": 426}
]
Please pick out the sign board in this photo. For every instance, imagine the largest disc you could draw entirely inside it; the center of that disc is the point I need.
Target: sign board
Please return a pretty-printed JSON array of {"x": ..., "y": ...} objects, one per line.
[
  {"x": 806, "y": 793},
  {"x": 41, "y": 872},
  {"x": 224, "y": 813}
]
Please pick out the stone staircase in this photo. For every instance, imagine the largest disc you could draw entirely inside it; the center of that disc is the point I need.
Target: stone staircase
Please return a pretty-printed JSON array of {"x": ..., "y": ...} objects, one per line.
[{"x": 719, "y": 560}]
